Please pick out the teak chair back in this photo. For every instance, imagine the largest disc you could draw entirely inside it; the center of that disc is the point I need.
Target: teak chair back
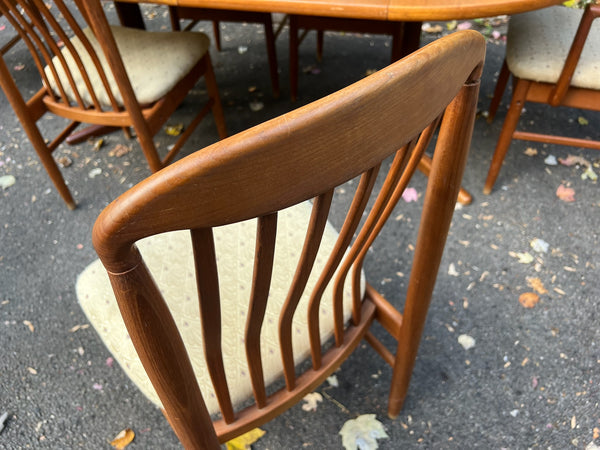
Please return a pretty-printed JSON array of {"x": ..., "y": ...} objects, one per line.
[
  {"x": 561, "y": 92},
  {"x": 302, "y": 155},
  {"x": 85, "y": 80}
]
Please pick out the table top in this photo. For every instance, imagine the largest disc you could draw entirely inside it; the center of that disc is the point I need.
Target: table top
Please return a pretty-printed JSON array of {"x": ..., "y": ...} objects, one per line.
[{"x": 399, "y": 10}]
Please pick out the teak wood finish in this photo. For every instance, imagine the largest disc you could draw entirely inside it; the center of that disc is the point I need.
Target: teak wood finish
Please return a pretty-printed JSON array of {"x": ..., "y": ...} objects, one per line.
[
  {"x": 302, "y": 155},
  {"x": 220, "y": 15},
  {"x": 44, "y": 30},
  {"x": 559, "y": 94}
]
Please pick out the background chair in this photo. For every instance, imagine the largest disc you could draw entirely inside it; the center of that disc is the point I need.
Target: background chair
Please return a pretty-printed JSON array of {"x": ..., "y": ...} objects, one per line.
[
  {"x": 403, "y": 35},
  {"x": 103, "y": 75},
  {"x": 553, "y": 61},
  {"x": 220, "y": 15},
  {"x": 285, "y": 281}
]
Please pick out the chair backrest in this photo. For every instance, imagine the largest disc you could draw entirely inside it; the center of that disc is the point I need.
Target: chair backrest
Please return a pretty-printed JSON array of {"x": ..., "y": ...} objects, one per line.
[
  {"x": 591, "y": 12},
  {"x": 305, "y": 154},
  {"x": 66, "y": 55}
]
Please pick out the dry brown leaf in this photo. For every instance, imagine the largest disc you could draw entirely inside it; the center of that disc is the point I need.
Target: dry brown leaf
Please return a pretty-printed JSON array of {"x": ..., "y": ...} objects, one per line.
[
  {"x": 565, "y": 194},
  {"x": 119, "y": 150},
  {"x": 123, "y": 439},
  {"x": 529, "y": 299},
  {"x": 537, "y": 285},
  {"x": 531, "y": 151}
]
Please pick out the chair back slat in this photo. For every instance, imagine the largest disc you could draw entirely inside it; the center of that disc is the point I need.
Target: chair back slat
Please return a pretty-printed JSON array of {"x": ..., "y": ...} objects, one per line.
[
  {"x": 316, "y": 226},
  {"x": 207, "y": 280},
  {"x": 261, "y": 282},
  {"x": 400, "y": 173}
]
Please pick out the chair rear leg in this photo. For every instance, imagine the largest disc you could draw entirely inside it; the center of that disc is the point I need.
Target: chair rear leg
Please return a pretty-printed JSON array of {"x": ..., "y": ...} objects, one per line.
[
  {"x": 508, "y": 128},
  {"x": 213, "y": 92},
  {"x": 294, "y": 43},
  {"x": 320, "y": 41},
  {"x": 217, "y": 34},
  {"x": 450, "y": 157},
  {"x": 272, "y": 55},
  {"x": 498, "y": 91}
]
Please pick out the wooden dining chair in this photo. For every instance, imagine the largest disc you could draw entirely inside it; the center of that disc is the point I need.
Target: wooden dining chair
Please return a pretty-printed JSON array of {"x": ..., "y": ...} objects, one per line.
[
  {"x": 401, "y": 33},
  {"x": 228, "y": 274},
  {"x": 178, "y": 13},
  {"x": 105, "y": 75},
  {"x": 553, "y": 56}
]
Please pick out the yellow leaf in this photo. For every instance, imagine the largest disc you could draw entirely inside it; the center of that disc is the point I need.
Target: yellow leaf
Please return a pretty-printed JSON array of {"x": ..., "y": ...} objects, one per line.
[
  {"x": 174, "y": 130},
  {"x": 123, "y": 439},
  {"x": 244, "y": 441},
  {"x": 582, "y": 120}
]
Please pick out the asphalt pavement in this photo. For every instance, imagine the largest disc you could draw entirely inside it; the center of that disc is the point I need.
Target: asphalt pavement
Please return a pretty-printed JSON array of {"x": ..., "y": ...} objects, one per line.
[{"x": 531, "y": 379}]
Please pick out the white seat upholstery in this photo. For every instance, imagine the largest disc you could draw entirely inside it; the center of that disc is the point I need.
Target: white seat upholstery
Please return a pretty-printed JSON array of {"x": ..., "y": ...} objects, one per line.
[
  {"x": 169, "y": 258},
  {"x": 154, "y": 61},
  {"x": 538, "y": 43}
]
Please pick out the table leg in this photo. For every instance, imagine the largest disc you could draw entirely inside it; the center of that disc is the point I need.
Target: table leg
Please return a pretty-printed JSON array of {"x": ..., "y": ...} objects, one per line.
[{"x": 130, "y": 15}]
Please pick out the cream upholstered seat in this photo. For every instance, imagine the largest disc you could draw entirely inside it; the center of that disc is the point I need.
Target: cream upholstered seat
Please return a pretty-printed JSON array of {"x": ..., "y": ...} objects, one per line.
[
  {"x": 169, "y": 258},
  {"x": 155, "y": 62},
  {"x": 538, "y": 44}
]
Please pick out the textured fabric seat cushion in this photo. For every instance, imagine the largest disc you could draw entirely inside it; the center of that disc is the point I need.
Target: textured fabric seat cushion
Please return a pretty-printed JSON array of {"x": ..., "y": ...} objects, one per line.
[
  {"x": 538, "y": 43},
  {"x": 169, "y": 258},
  {"x": 154, "y": 61}
]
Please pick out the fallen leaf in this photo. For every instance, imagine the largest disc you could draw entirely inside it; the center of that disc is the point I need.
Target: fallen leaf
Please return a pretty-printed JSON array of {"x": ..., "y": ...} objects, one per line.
[
  {"x": 95, "y": 172},
  {"x": 539, "y": 245},
  {"x": 123, "y": 439},
  {"x": 464, "y": 26},
  {"x": 121, "y": 150},
  {"x": 582, "y": 121},
  {"x": 333, "y": 381},
  {"x": 451, "y": 26},
  {"x": 98, "y": 144},
  {"x": 79, "y": 327},
  {"x": 32, "y": 371},
  {"x": 537, "y": 285},
  {"x": 429, "y": 28},
  {"x": 524, "y": 258},
  {"x": 29, "y": 325},
  {"x": 410, "y": 195},
  {"x": 466, "y": 341},
  {"x": 572, "y": 160},
  {"x": 452, "y": 270},
  {"x": 65, "y": 161},
  {"x": 362, "y": 433},
  {"x": 311, "y": 400},
  {"x": 529, "y": 299},
  {"x": 174, "y": 130},
  {"x": 7, "y": 181},
  {"x": 256, "y": 106},
  {"x": 589, "y": 173},
  {"x": 596, "y": 432},
  {"x": 244, "y": 441},
  {"x": 565, "y": 194},
  {"x": 530, "y": 151}
]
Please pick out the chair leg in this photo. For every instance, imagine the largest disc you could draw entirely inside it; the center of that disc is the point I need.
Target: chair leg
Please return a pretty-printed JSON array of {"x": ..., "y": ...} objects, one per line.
[
  {"x": 174, "y": 16},
  {"x": 294, "y": 57},
  {"x": 217, "y": 34},
  {"x": 320, "y": 41},
  {"x": 498, "y": 91},
  {"x": 508, "y": 128},
  {"x": 449, "y": 160},
  {"x": 213, "y": 92},
  {"x": 272, "y": 55}
]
